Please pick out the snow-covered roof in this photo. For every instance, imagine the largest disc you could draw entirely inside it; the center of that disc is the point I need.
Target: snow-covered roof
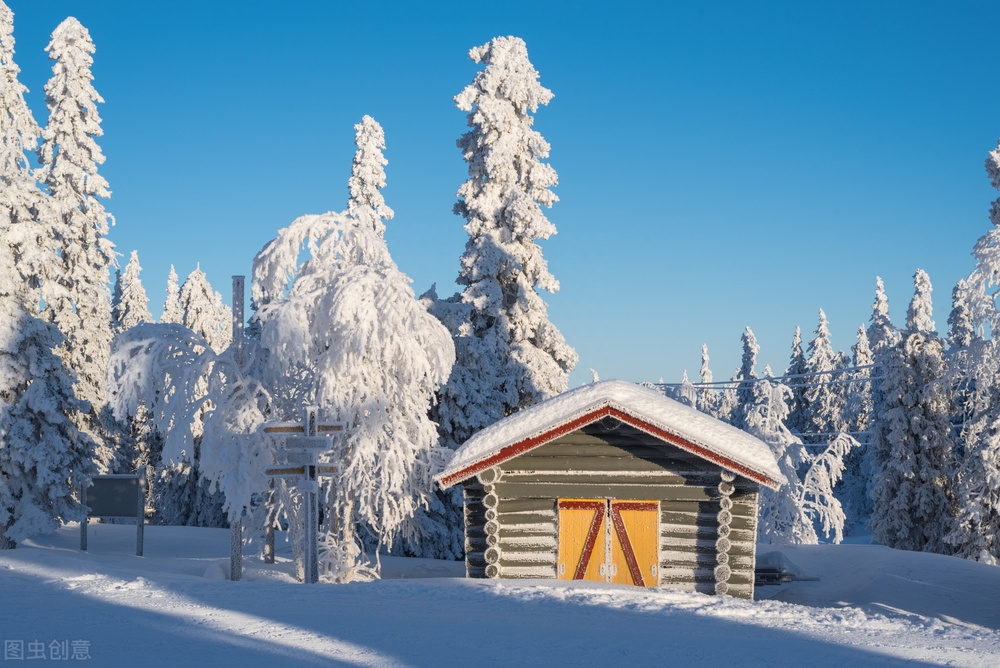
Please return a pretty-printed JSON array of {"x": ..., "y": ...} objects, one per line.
[{"x": 640, "y": 407}]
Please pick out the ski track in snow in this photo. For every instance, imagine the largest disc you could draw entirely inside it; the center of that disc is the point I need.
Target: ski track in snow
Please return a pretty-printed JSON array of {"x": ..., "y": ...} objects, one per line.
[{"x": 173, "y": 606}]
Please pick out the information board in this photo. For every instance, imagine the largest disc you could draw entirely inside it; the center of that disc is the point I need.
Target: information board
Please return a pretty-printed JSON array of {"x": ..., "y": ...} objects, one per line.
[{"x": 113, "y": 497}]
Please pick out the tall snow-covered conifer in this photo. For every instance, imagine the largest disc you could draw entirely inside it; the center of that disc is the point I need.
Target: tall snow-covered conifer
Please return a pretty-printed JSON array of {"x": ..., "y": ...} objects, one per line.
[
  {"x": 795, "y": 372},
  {"x": 368, "y": 176},
  {"x": 746, "y": 375},
  {"x": 708, "y": 397},
  {"x": 975, "y": 366},
  {"x": 686, "y": 393},
  {"x": 172, "y": 310},
  {"x": 881, "y": 332},
  {"x": 78, "y": 301},
  {"x": 912, "y": 446},
  {"x": 204, "y": 312},
  {"x": 22, "y": 203},
  {"x": 509, "y": 355},
  {"x": 823, "y": 401},
  {"x": 960, "y": 325},
  {"x": 859, "y": 402},
  {"x": 133, "y": 304},
  {"x": 42, "y": 457}
]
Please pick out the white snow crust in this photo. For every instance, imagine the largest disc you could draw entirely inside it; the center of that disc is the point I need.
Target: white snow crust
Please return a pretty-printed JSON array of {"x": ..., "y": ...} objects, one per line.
[{"x": 640, "y": 402}]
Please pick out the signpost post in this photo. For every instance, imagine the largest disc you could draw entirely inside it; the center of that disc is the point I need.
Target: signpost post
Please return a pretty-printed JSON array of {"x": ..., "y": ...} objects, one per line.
[
  {"x": 300, "y": 463},
  {"x": 236, "y": 526}
]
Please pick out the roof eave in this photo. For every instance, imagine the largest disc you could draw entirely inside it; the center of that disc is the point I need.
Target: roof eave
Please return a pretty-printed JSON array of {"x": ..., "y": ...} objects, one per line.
[{"x": 589, "y": 417}]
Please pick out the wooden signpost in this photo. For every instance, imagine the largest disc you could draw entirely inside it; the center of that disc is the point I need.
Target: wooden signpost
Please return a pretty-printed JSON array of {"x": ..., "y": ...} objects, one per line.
[{"x": 300, "y": 463}]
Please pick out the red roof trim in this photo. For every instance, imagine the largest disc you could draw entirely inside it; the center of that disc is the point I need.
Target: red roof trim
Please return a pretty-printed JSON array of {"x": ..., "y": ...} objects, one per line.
[{"x": 515, "y": 449}]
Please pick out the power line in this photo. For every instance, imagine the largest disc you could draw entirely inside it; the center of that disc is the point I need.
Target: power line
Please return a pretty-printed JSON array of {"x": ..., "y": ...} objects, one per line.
[{"x": 727, "y": 384}]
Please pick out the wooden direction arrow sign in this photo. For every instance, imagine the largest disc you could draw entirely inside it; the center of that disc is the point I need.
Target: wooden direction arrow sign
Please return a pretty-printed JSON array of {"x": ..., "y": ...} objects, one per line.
[{"x": 297, "y": 428}]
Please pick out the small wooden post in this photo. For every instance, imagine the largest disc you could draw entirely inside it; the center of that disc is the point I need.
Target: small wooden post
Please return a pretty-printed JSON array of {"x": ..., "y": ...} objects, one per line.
[
  {"x": 269, "y": 524},
  {"x": 236, "y": 526},
  {"x": 140, "y": 512},
  {"x": 86, "y": 518},
  {"x": 311, "y": 489}
]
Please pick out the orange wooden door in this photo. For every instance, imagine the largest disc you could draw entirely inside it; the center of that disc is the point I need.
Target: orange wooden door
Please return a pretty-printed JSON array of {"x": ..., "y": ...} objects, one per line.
[
  {"x": 582, "y": 542},
  {"x": 609, "y": 541},
  {"x": 635, "y": 539}
]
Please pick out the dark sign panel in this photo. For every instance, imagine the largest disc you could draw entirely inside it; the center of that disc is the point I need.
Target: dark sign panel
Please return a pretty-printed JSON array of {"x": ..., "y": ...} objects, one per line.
[{"x": 113, "y": 497}]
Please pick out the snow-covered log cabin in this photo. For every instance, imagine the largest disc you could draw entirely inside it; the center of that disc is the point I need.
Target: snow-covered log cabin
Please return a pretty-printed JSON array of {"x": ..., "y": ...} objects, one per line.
[{"x": 617, "y": 483}]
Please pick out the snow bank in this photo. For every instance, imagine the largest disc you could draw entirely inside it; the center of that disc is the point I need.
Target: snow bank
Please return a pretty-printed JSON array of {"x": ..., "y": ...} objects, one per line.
[{"x": 642, "y": 403}]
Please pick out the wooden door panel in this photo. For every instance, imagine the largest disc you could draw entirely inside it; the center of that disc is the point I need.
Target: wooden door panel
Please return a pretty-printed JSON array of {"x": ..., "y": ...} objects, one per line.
[
  {"x": 635, "y": 542},
  {"x": 582, "y": 529},
  {"x": 609, "y": 541}
]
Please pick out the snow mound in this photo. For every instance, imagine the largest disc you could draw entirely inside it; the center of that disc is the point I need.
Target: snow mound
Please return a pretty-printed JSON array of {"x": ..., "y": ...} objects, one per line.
[{"x": 649, "y": 406}]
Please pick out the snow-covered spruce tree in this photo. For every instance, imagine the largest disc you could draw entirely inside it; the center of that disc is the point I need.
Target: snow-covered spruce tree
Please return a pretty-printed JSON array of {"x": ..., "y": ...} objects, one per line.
[
  {"x": 24, "y": 205},
  {"x": 509, "y": 355},
  {"x": 133, "y": 304},
  {"x": 729, "y": 400},
  {"x": 975, "y": 366},
  {"x": 745, "y": 395},
  {"x": 859, "y": 403},
  {"x": 204, "y": 312},
  {"x": 911, "y": 444},
  {"x": 345, "y": 332},
  {"x": 823, "y": 400},
  {"x": 368, "y": 176},
  {"x": 883, "y": 338},
  {"x": 961, "y": 328},
  {"x": 116, "y": 296},
  {"x": 43, "y": 458},
  {"x": 963, "y": 344},
  {"x": 881, "y": 332},
  {"x": 795, "y": 381},
  {"x": 708, "y": 397},
  {"x": 172, "y": 311},
  {"x": 686, "y": 393},
  {"x": 78, "y": 300}
]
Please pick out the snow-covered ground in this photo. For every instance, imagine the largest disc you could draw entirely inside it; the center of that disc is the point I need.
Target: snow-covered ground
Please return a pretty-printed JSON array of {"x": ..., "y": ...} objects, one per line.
[{"x": 872, "y": 605}]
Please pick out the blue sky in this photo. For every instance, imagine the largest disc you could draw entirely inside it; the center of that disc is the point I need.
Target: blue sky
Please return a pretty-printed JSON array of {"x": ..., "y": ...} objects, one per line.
[{"x": 720, "y": 164}]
